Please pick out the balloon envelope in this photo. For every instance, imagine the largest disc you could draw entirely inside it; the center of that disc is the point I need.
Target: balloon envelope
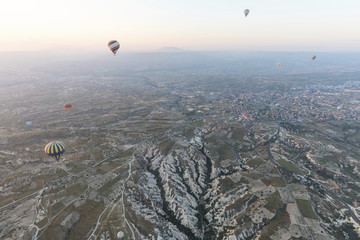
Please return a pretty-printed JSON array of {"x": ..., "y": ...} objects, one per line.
[
  {"x": 29, "y": 123},
  {"x": 313, "y": 57},
  {"x": 246, "y": 12},
  {"x": 120, "y": 234},
  {"x": 278, "y": 64},
  {"x": 55, "y": 149},
  {"x": 114, "y": 46},
  {"x": 67, "y": 106}
]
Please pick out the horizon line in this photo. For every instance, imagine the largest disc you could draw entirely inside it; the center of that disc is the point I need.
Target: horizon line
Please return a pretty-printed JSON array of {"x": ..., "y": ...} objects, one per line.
[{"x": 176, "y": 50}]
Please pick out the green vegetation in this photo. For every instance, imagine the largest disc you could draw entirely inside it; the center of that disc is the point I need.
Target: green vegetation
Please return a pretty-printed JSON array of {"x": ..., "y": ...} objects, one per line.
[
  {"x": 105, "y": 189},
  {"x": 166, "y": 145},
  {"x": 104, "y": 168},
  {"x": 28, "y": 138},
  {"x": 89, "y": 213},
  {"x": 226, "y": 184},
  {"x": 305, "y": 208},
  {"x": 273, "y": 181},
  {"x": 49, "y": 177},
  {"x": 18, "y": 196},
  {"x": 253, "y": 200},
  {"x": 239, "y": 203},
  {"x": 253, "y": 175},
  {"x": 289, "y": 166},
  {"x": 76, "y": 167},
  {"x": 211, "y": 140},
  {"x": 198, "y": 123},
  {"x": 126, "y": 153},
  {"x": 42, "y": 223},
  {"x": 254, "y": 162},
  {"x": 238, "y": 134},
  {"x": 281, "y": 219},
  {"x": 244, "y": 181},
  {"x": 225, "y": 152},
  {"x": 346, "y": 231},
  {"x": 55, "y": 208},
  {"x": 75, "y": 189},
  {"x": 273, "y": 202},
  {"x": 11, "y": 177},
  {"x": 277, "y": 182},
  {"x": 189, "y": 133}
]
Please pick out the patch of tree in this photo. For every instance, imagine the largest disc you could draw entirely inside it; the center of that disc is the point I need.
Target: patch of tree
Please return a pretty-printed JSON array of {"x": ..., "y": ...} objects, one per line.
[
  {"x": 324, "y": 173},
  {"x": 346, "y": 231}
]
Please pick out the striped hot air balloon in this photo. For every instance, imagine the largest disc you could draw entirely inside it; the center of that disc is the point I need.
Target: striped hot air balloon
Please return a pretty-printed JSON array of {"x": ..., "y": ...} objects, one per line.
[
  {"x": 67, "y": 106},
  {"x": 55, "y": 149},
  {"x": 114, "y": 46}
]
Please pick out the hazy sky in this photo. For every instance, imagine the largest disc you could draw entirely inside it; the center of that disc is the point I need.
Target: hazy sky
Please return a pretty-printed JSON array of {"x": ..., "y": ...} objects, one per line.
[{"x": 286, "y": 25}]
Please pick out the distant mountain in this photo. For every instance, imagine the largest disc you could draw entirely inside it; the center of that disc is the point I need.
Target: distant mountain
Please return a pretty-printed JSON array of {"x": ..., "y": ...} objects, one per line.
[{"x": 171, "y": 49}]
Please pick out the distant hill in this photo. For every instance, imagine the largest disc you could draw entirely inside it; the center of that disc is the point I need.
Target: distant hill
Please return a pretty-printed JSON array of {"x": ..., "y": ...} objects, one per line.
[{"x": 171, "y": 49}]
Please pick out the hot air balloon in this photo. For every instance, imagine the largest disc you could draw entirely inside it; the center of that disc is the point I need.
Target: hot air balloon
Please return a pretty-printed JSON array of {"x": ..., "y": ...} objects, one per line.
[
  {"x": 29, "y": 123},
  {"x": 67, "y": 106},
  {"x": 278, "y": 64},
  {"x": 55, "y": 149},
  {"x": 312, "y": 101},
  {"x": 246, "y": 12},
  {"x": 120, "y": 234},
  {"x": 313, "y": 57},
  {"x": 114, "y": 46}
]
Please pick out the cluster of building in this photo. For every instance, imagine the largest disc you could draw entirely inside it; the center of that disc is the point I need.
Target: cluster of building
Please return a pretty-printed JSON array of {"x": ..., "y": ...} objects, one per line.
[{"x": 317, "y": 103}]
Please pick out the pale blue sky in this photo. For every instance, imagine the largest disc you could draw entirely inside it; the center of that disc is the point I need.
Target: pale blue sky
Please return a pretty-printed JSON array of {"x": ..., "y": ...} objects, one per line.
[{"x": 273, "y": 25}]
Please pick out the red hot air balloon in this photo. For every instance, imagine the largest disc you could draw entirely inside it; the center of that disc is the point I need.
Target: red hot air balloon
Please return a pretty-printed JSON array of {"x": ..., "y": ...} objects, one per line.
[{"x": 67, "y": 106}]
